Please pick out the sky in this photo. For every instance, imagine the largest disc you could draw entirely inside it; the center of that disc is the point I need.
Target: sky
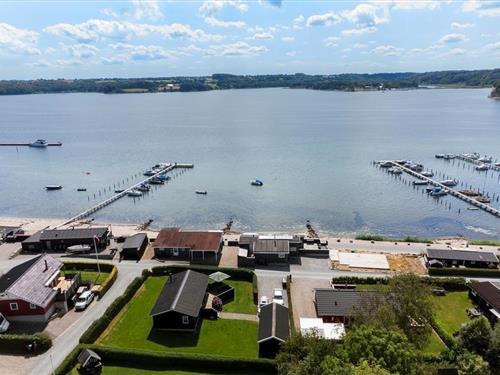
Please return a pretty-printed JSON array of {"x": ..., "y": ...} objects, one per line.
[{"x": 139, "y": 38}]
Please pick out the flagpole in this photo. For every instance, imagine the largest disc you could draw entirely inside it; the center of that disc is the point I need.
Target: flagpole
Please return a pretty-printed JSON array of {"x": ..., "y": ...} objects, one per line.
[{"x": 97, "y": 258}]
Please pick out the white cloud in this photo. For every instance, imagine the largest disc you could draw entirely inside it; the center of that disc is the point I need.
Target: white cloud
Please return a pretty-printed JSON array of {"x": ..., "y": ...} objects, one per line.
[
  {"x": 359, "y": 45},
  {"x": 235, "y": 49},
  {"x": 263, "y": 35},
  {"x": 367, "y": 15},
  {"x": 111, "y": 13},
  {"x": 210, "y": 8},
  {"x": 457, "y": 51},
  {"x": 40, "y": 64},
  {"x": 492, "y": 47},
  {"x": 80, "y": 51},
  {"x": 115, "y": 60},
  {"x": 412, "y": 4},
  {"x": 326, "y": 19},
  {"x": 274, "y": 3},
  {"x": 143, "y": 52},
  {"x": 71, "y": 62},
  {"x": 288, "y": 39},
  {"x": 458, "y": 25},
  {"x": 149, "y": 9},
  {"x": 292, "y": 53},
  {"x": 18, "y": 40},
  {"x": 452, "y": 38},
  {"x": 482, "y": 7},
  {"x": 50, "y": 50},
  {"x": 357, "y": 32},
  {"x": 299, "y": 20},
  {"x": 94, "y": 30},
  {"x": 331, "y": 41},
  {"x": 387, "y": 50}
]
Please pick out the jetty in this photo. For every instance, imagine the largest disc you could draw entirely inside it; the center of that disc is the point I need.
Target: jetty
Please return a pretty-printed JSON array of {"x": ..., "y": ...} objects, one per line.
[
  {"x": 56, "y": 144},
  {"x": 485, "y": 207},
  {"x": 477, "y": 162},
  {"x": 166, "y": 168}
]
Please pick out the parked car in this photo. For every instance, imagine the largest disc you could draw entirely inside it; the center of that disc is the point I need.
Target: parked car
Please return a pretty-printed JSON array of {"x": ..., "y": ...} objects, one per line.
[
  {"x": 263, "y": 302},
  {"x": 278, "y": 296},
  {"x": 4, "y": 324},
  {"x": 84, "y": 300}
]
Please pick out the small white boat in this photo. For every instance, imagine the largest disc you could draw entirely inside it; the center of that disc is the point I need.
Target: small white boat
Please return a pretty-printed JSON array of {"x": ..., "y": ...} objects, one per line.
[
  {"x": 134, "y": 193},
  {"x": 438, "y": 192},
  {"x": 420, "y": 183},
  {"x": 143, "y": 187},
  {"x": 53, "y": 187},
  {"x": 149, "y": 173},
  {"x": 427, "y": 173},
  {"x": 386, "y": 164},
  {"x": 482, "y": 167},
  {"x": 39, "y": 143},
  {"x": 449, "y": 182},
  {"x": 395, "y": 170},
  {"x": 497, "y": 164},
  {"x": 484, "y": 159},
  {"x": 256, "y": 183},
  {"x": 449, "y": 156},
  {"x": 472, "y": 208}
]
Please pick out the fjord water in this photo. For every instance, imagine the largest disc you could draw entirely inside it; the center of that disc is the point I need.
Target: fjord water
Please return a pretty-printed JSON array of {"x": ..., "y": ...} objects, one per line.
[{"x": 313, "y": 150}]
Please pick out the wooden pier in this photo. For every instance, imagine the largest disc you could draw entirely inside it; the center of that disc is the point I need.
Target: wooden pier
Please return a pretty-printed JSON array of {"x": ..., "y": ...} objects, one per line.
[
  {"x": 107, "y": 202},
  {"x": 29, "y": 144},
  {"x": 485, "y": 207},
  {"x": 477, "y": 162}
]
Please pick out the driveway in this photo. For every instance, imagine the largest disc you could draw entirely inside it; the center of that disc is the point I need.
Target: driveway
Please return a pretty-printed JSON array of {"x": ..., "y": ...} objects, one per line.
[
  {"x": 302, "y": 293},
  {"x": 267, "y": 283},
  {"x": 229, "y": 257}
]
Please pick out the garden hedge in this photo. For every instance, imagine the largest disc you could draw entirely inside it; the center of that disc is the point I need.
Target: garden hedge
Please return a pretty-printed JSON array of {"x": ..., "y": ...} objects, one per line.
[
  {"x": 110, "y": 280},
  {"x": 448, "y": 283},
  {"x": 87, "y": 266},
  {"x": 182, "y": 361},
  {"x": 98, "y": 326},
  {"x": 478, "y": 272},
  {"x": 16, "y": 344},
  {"x": 448, "y": 340},
  {"x": 235, "y": 273},
  {"x": 69, "y": 362}
]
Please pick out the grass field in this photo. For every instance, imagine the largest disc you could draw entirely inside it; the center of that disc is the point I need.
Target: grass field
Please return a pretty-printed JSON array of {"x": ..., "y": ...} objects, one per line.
[
  {"x": 451, "y": 310},
  {"x": 132, "y": 329},
  {"x": 372, "y": 287},
  {"x": 90, "y": 276},
  {"x": 243, "y": 298},
  {"x": 435, "y": 345}
]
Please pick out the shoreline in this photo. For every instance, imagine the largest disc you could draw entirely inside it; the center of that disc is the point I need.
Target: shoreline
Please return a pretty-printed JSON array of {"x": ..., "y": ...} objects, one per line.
[{"x": 34, "y": 224}]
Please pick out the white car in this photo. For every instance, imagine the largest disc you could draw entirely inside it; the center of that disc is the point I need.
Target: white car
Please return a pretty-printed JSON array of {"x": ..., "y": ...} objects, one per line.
[
  {"x": 278, "y": 296},
  {"x": 263, "y": 302},
  {"x": 84, "y": 300},
  {"x": 4, "y": 324}
]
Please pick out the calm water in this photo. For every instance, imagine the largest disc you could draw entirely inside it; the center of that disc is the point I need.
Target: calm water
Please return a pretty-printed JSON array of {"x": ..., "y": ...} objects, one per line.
[{"x": 312, "y": 149}]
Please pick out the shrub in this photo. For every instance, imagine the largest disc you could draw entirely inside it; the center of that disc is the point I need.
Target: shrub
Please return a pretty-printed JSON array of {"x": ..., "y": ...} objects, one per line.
[
  {"x": 255, "y": 289},
  {"x": 16, "y": 344},
  {"x": 479, "y": 272},
  {"x": 87, "y": 266},
  {"x": 110, "y": 280},
  {"x": 69, "y": 362},
  {"x": 360, "y": 280},
  {"x": 191, "y": 362},
  {"x": 235, "y": 273},
  {"x": 448, "y": 340},
  {"x": 448, "y": 283},
  {"x": 370, "y": 237}
]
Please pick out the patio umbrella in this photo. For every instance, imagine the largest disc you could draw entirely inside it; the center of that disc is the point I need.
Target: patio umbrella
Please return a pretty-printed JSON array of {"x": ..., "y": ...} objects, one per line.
[{"x": 219, "y": 276}]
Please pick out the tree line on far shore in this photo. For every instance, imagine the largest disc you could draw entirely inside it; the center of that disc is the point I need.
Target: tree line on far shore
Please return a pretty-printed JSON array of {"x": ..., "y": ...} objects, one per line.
[{"x": 344, "y": 82}]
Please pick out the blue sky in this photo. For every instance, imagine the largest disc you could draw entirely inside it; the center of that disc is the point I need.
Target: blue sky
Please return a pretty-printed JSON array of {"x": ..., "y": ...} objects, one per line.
[{"x": 82, "y": 39}]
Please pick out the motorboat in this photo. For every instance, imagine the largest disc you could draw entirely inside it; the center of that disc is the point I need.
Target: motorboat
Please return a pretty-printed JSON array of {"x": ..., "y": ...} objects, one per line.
[
  {"x": 386, "y": 164},
  {"x": 118, "y": 191},
  {"x": 53, "y": 187},
  {"x": 164, "y": 177},
  {"x": 427, "y": 173},
  {"x": 449, "y": 156},
  {"x": 156, "y": 181},
  {"x": 143, "y": 187},
  {"x": 469, "y": 193},
  {"x": 472, "y": 208},
  {"x": 438, "y": 192},
  {"x": 420, "y": 183},
  {"x": 416, "y": 167},
  {"x": 429, "y": 189},
  {"x": 472, "y": 155},
  {"x": 81, "y": 189},
  {"x": 439, "y": 156},
  {"x": 201, "y": 192},
  {"x": 134, "y": 193},
  {"x": 149, "y": 173},
  {"x": 449, "y": 183},
  {"x": 40, "y": 143},
  {"x": 497, "y": 164},
  {"x": 485, "y": 159},
  {"x": 483, "y": 199},
  {"x": 395, "y": 170},
  {"x": 482, "y": 167},
  {"x": 256, "y": 183},
  {"x": 79, "y": 249}
]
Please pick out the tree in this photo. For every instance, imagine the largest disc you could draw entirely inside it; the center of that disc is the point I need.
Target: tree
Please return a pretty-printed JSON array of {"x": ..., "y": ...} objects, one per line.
[
  {"x": 475, "y": 336},
  {"x": 493, "y": 353},
  {"x": 472, "y": 364},
  {"x": 366, "y": 369},
  {"x": 335, "y": 366},
  {"x": 388, "y": 349},
  {"x": 412, "y": 305}
]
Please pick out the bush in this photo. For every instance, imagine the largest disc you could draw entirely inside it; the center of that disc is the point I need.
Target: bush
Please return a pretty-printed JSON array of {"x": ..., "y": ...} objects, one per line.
[
  {"x": 370, "y": 237},
  {"x": 98, "y": 326},
  {"x": 360, "y": 280},
  {"x": 187, "y": 362},
  {"x": 448, "y": 340},
  {"x": 16, "y": 344},
  {"x": 69, "y": 362},
  {"x": 87, "y": 266},
  {"x": 290, "y": 306},
  {"x": 448, "y": 283},
  {"x": 235, "y": 273},
  {"x": 479, "y": 272},
  {"x": 110, "y": 280},
  {"x": 255, "y": 289}
]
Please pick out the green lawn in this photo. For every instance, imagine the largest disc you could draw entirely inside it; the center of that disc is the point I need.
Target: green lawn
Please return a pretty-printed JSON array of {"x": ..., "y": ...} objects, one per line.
[
  {"x": 451, "y": 310},
  {"x": 90, "y": 276},
  {"x": 132, "y": 329},
  {"x": 115, "y": 370},
  {"x": 372, "y": 287},
  {"x": 243, "y": 298},
  {"x": 435, "y": 345}
]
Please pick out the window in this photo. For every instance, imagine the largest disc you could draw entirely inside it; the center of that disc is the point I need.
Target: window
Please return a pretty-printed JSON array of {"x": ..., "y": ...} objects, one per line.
[
  {"x": 14, "y": 306},
  {"x": 32, "y": 307},
  {"x": 185, "y": 319},
  {"x": 175, "y": 251},
  {"x": 281, "y": 256}
]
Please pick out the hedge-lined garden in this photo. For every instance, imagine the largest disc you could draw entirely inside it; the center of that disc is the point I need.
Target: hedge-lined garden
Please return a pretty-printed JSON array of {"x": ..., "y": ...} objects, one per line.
[
  {"x": 17, "y": 344},
  {"x": 90, "y": 270}
]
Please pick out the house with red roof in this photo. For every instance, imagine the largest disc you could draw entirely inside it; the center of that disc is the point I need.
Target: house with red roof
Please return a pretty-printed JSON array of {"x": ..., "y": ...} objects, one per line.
[
  {"x": 28, "y": 291},
  {"x": 195, "y": 246}
]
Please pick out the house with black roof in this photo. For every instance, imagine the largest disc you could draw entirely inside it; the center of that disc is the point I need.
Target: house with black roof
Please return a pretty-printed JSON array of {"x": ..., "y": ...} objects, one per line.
[
  {"x": 180, "y": 302},
  {"x": 269, "y": 249},
  {"x": 274, "y": 329},
  {"x": 134, "y": 246},
  {"x": 486, "y": 295},
  {"x": 49, "y": 240},
  {"x": 339, "y": 305},
  {"x": 466, "y": 258}
]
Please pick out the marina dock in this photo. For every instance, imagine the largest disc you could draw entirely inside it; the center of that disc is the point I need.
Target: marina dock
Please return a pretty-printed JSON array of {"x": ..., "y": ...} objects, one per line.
[
  {"x": 477, "y": 162},
  {"x": 485, "y": 207},
  {"x": 107, "y": 202}
]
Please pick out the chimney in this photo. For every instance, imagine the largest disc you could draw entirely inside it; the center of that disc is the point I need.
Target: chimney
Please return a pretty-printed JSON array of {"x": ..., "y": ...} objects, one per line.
[{"x": 46, "y": 266}]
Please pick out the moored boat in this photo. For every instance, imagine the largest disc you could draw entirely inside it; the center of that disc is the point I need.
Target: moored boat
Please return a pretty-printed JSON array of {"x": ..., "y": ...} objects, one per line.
[
  {"x": 53, "y": 187},
  {"x": 469, "y": 193},
  {"x": 485, "y": 159},
  {"x": 438, "y": 192},
  {"x": 143, "y": 187},
  {"x": 201, "y": 192},
  {"x": 81, "y": 189},
  {"x": 420, "y": 183},
  {"x": 439, "y": 156},
  {"x": 256, "y": 182},
  {"x": 118, "y": 191},
  {"x": 482, "y": 167},
  {"x": 427, "y": 173},
  {"x": 483, "y": 199},
  {"x": 134, "y": 193},
  {"x": 156, "y": 181},
  {"x": 449, "y": 183},
  {"x": 395, "y": 170},
  {"x": 40, "y": 143},
  {"x": 386, "y": 164}
]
